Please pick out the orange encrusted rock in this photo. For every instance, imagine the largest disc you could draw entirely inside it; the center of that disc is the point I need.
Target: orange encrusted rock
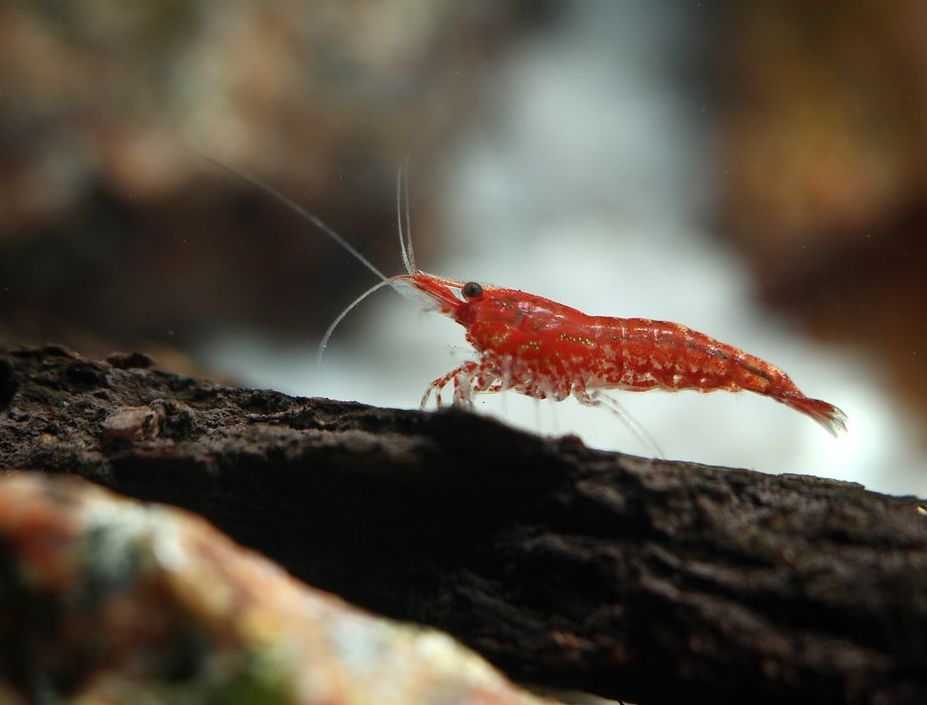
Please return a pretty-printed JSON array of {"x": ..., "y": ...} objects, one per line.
[{"x": 106, "y": 599}]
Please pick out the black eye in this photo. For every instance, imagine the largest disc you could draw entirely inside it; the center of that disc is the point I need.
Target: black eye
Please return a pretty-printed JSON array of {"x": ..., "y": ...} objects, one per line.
[{"x": 471, "y": 290}]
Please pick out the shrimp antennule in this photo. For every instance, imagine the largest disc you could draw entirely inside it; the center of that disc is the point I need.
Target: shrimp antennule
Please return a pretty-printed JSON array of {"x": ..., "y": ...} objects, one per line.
[
  {"x": 350, "y": 307},
  {"x": 405, "y": 234},
  {"x": 405, "y": 247},
  {"x": 402, "y": 199}
]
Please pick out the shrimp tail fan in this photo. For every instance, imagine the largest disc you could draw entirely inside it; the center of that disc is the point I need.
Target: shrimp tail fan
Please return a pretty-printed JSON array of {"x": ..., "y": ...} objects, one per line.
[{"x": 827, "y": 415}]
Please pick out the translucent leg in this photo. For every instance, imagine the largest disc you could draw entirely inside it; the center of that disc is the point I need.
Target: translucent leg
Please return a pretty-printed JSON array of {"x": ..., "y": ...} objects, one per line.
[
  {"x": 599, "y": 398},
  {"x": 461, "y": 376}
]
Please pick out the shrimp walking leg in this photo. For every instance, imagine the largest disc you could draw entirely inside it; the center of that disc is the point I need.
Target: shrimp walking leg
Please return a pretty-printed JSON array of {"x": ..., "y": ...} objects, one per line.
[
  {"x": 461, "y": 376},
  {"x": 469, "y": 379},
  {"x": 599, "y": 398}
]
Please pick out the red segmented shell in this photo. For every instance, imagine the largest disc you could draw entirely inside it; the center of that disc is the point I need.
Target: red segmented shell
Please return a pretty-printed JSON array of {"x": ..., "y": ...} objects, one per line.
[{"x": 544, "y": 349}]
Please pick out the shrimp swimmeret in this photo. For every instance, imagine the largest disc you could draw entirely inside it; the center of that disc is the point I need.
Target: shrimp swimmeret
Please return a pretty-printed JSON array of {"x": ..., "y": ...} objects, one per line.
[{"x": 543, "y": 349}]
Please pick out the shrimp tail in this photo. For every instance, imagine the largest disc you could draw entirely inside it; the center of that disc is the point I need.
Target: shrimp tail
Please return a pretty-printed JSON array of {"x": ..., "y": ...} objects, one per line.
[{"x": 827, "y": 415}]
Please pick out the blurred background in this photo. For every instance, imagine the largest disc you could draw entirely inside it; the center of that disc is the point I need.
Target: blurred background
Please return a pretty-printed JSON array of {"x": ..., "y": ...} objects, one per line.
[{"x": 754, "y": 170}]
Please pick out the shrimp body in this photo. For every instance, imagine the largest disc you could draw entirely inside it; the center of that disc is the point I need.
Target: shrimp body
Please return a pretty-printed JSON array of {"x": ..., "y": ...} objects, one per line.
[{"x": 546, "y": 350}]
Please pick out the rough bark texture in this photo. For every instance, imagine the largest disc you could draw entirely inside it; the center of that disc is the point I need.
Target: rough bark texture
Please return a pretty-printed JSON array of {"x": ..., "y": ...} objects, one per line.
[{"x": 653, "y": 581}]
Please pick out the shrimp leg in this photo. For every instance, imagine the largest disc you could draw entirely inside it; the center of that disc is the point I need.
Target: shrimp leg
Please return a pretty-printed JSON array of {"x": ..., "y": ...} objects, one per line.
[
  {"x": 461, "y": 376},
  {"x": 469, "y": 378},
  {"x": 599, "y": 398}
]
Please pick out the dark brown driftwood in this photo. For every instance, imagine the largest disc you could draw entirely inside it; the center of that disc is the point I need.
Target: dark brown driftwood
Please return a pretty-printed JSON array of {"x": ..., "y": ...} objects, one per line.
[{"x": 658, "y": 582}]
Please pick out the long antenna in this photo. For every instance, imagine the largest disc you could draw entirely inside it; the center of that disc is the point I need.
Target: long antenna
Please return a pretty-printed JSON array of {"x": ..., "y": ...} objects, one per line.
[{"x": 294, "y": 206}]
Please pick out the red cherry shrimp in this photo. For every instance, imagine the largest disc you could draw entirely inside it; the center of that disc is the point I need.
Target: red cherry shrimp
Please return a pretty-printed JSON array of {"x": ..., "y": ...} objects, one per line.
[{"x": 547, "y": 350}]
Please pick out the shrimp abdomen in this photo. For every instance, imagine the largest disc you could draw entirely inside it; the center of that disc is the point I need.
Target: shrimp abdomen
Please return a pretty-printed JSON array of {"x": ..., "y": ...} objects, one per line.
[{"x": 661, "y": 355}]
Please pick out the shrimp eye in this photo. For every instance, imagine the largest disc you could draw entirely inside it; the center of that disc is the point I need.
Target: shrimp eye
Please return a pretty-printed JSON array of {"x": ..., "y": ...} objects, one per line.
[{"x": 471, "y": 290}]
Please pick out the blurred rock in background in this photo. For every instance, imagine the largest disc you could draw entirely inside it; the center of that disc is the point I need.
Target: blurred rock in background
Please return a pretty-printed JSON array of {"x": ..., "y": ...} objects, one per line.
[
  {"x": 112, "y": 234},
  {"x": 824, "y": 137}
]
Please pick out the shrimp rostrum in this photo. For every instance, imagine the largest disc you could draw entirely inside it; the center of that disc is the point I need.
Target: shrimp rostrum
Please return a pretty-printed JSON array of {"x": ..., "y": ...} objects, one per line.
[{"x": 546, "y": 350}]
